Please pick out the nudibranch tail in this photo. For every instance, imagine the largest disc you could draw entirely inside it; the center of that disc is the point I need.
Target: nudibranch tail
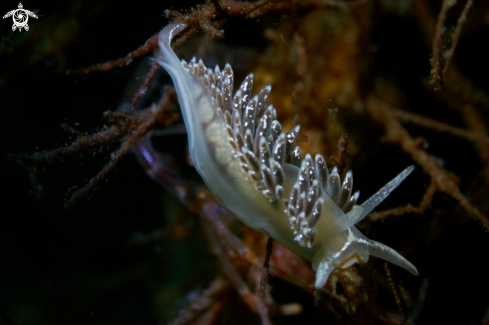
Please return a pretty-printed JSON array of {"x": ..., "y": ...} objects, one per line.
[{"x": 256, "y": 170}]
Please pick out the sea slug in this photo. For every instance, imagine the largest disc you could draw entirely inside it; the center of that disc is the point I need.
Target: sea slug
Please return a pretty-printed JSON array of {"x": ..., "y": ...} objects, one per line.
[{"x": 256, "y": 170}]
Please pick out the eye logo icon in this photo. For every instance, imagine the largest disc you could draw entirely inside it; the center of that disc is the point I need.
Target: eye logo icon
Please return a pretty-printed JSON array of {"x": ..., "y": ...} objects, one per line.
[{"x": 20, "y": 17}]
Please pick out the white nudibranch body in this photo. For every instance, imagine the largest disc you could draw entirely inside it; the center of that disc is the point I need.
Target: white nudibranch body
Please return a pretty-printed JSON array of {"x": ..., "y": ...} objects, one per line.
[{"x": 255, "y": 170}]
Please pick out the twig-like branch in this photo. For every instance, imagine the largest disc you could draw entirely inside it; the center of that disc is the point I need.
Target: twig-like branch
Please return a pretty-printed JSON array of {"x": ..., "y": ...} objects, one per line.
[
  {"x": 435, "y": 77},
  {"x": 147, "y": 47},
  {"x": 261, "y": 7},
  {"x": 223, "y": 231},
  {"x": 71, "y": 130},
  {"x": 439, "y": 126},
  {"x": 158, "y": 171},
  {"x": 217, "y": 8},
  {"x": 144, "y": 87},
  {"x": 475, "y": 122},
  {"x": 437, "y": 74},
  {"x": 199, "y": 303},
  {"x": 459, "y": 89},
  {"x": 394, "y": 290},
  {"x": 455, "y": 37},
  {"x": 209, "y": 18},
  {"x": 253, "y": 301},
  {"x": 425, "y": 202},
  {"x": 286, "y": 264},
  {"x": 124, "y": 148},
  {"x": 83, "y": 143},
  {"x": 141, "y": 130},
  {"x": 256, "y": 9},
  {"x": 396, "y": 133},
  {"x": 201, "y": 18},
  {"x": 266, "y": 268}
]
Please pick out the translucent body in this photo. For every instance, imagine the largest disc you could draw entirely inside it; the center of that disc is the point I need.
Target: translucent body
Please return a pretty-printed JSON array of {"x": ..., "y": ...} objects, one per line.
[{"x": 336, "y": 242}]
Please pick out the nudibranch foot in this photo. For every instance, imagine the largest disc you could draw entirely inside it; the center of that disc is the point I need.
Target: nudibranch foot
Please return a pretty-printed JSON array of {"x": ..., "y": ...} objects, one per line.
[{"x": 256, "y": 170}]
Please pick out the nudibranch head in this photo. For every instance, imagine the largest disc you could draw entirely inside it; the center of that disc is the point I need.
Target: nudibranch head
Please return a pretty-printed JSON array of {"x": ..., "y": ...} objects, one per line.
[{"x": 256, "y": 170}]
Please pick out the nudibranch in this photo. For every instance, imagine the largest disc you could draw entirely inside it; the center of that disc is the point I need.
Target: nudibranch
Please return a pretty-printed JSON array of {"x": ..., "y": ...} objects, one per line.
[{"x": 256, "y": 170}]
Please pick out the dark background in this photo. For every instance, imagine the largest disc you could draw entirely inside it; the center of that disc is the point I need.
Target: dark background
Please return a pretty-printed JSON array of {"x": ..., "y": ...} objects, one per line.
[{"x": 82, "y": 265}]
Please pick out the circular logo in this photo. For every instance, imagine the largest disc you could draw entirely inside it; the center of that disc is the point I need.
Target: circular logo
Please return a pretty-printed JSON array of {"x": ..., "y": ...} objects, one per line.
[{"x": 20, "y": 17}]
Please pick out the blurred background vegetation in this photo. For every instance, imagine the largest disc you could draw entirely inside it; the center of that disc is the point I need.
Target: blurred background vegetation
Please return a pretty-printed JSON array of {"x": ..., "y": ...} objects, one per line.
[{"x": 130, "y": 253}]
